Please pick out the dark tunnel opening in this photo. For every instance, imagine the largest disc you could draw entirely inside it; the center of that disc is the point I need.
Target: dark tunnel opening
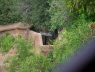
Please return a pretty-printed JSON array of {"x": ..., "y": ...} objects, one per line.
[{"x": 47, "y": 37}]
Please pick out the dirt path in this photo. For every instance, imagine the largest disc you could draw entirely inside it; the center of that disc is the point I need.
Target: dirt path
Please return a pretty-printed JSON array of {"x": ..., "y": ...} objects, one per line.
[{"x": 3, "y": 57}]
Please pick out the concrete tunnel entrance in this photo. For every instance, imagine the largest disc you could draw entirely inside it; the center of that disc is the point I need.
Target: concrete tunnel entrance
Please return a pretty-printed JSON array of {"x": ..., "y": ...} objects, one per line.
[{"x": 47, "y": 38}]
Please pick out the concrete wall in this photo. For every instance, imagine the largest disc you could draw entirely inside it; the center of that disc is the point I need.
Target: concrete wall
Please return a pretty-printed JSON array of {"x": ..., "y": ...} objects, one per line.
[{"x": 36, "y": 37}]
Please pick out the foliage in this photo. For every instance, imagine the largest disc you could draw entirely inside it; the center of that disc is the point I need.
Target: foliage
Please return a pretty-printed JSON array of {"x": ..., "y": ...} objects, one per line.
[
  {"x": 6, "y": 42},
  {"x": 63, "y": 12},
  {"x": 24, "y": 11},
  {"x": 37, "y": 13},
  {"x": 73, "y": 37},
  {"x": 59, "y": 14},
  {"x": 78, "y": 7},
  {"x": 25, "y": 60},
  {"x": 50, "y": 14},
  {"x": 9, "y": 12}
]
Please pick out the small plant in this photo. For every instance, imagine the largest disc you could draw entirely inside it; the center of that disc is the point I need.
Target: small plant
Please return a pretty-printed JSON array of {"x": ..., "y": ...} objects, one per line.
[
  {"x": 8, "y": 59},
  {"x": 6, "y": 42}
]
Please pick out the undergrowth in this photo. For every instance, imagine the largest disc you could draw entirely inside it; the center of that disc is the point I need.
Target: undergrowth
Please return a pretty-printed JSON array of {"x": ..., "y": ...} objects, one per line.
[
  {"x": 25, "y": 60},
  {"x": 73, "y": 37},
  {"x": 6, "y": 42}
]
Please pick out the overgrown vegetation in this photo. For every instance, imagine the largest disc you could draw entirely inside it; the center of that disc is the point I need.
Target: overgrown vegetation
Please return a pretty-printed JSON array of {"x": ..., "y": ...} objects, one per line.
[
  {"x": 25, "y": 60},
  {"x": 71, "y": 40},
  {"x": 50, "y": 14},
  {"x": 75, "y": 16}
]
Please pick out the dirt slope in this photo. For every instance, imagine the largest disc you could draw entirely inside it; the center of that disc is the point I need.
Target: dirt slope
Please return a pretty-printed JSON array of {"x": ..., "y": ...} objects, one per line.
[{"x": 3, "y": 57}]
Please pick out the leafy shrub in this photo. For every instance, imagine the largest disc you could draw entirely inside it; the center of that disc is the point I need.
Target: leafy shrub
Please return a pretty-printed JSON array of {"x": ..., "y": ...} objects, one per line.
[
  {"x": 38, "y": 14},
  {"x": 59, "y": 14},
  {"x": 6, "y": 43},
  {"x": 75, "y": 35},
  {"x": 79, "y": 7},
  {"x": 9, "y": 12}
]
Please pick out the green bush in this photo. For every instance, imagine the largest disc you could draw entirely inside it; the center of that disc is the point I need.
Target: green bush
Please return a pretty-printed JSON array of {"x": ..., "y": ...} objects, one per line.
[
  {"x": 59, "y": 13},
  {"x": 72, "y": 39},
  {"x": 6, "y": 43},
  {"x": 9, "y": 12},
  {"x": 79, "y": 7},
  {"x": 38, "y": 14}
]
